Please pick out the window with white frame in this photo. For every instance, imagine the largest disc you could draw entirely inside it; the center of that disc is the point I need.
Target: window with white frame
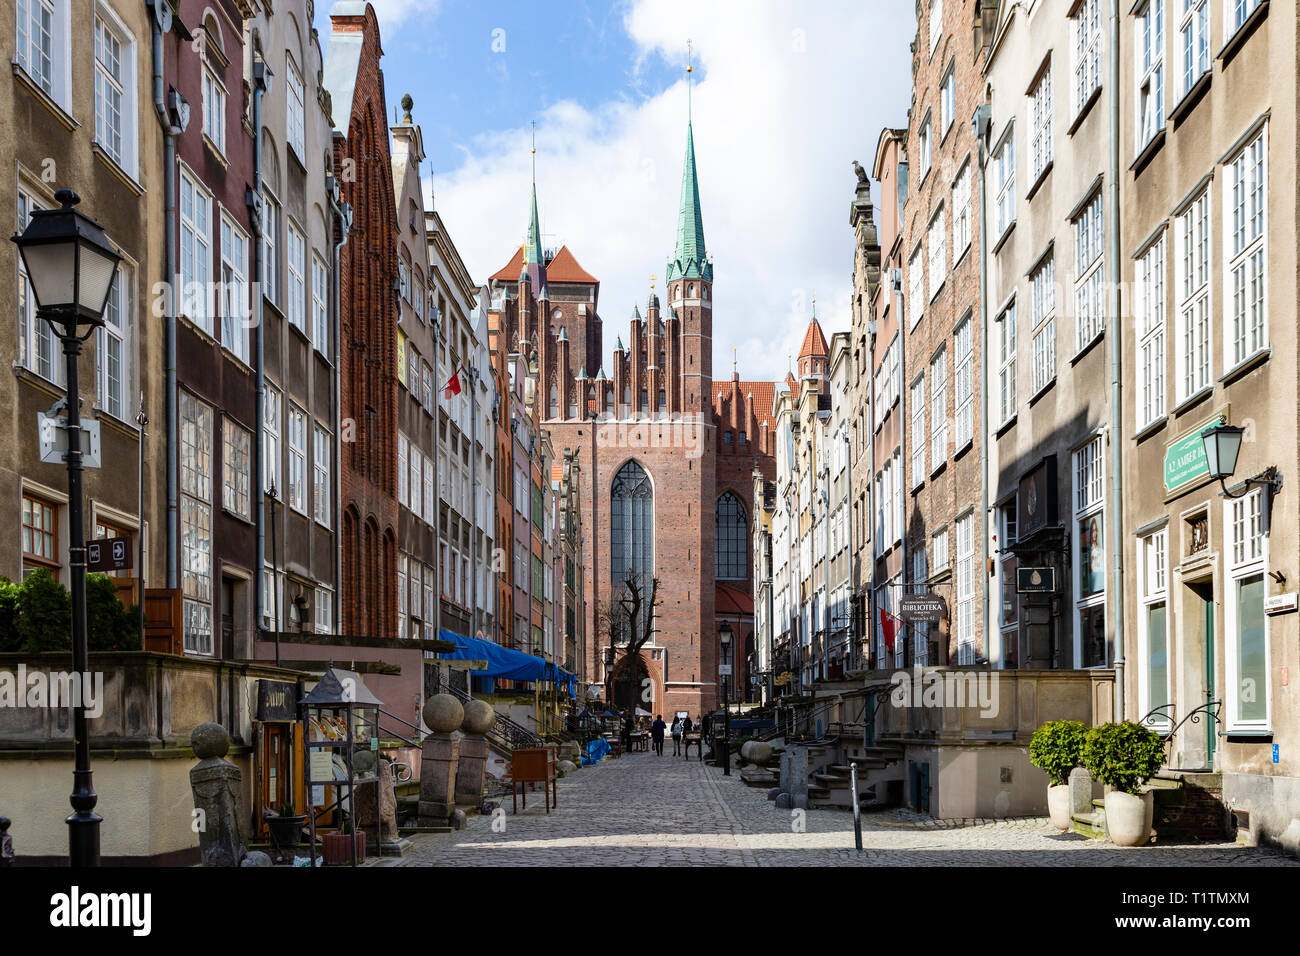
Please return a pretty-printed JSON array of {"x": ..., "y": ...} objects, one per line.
[
  {"x": 965, "y": 617},
  {"x": 938, "y": 251},
  {"x": 961, "y": 215},
  {"x": 1009, "y": 602},
  {"x": 1192, "y": 359},
  {"x": 939, "y": 409},
  {"x": 403, "y": 593},
  {"x": 236, "y": 468},
  {"x": 1248, "y": 651},
  {"x": 404, "y": 278},
  {"x": 403, "y": 454},
  {"x": 936, "y": 24},
  {"x": 196, "y": 251},
  {"x": 1238, "y": 12},
  {"x": 214, "y": 108},
  {"x": 297, "y": 459},
  {"x": 918, "y": 431},
  {"x": 1085, "y": 35},
  {"x": 1089, "y": 294},
  {"x": 321, "y": 448},
  {"x": 235, "y": 308},
  {"x": 1155, "y": 686},
  {"x": 1150, "y": 301},
  {"x": 1004, "y": 184},
  {"x": 38, "y": 346},
  {"x": 1006, "y": 337},
  {"x": 1149, "y": 50},
  {"x": 271, "y": 442},
  {"x": 43, "y": 46},
  {"x": 115, "y": 98},
  {"x": 430, "y": 514},
  {"x": 296, "y": 250},
  {"x": 1042, "y": 293},
  {"x": 939, "y": 551},
  {"x": 915, "y": 286},
  {"x": 196, "y": 523},
  {"x": 295, "y": 115},
  {"x": 426, "y": 380},
  {"x": 113, "y": 347},
  {"x": 1041, "y": 146},
  {"x": 924, "y": 148},
  {"x": 323, "y": 611},
  {"x": 1090, "y": 556},
  {"x": 1245, "y": 199},
  {"x": 964, "y": 380},
  {"x": 415, "y": 467},
  {"x": 320, "y": 320},
  {"x": 1193, "y": 42},
  {"x": 947, "y": 101},
  {"x": 270, "y": 245}
]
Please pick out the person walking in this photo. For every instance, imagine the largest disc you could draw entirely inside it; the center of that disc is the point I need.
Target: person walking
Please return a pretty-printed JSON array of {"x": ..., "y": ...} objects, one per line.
[
  {"x": 657, "y": 734},
  {"x": 677, "y": 736}
]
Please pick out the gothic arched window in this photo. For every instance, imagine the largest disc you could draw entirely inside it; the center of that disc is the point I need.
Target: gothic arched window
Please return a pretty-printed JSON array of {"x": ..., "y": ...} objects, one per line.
[
  {"x": 632, "y": 505},
  {"x": 732, "y": 541}
]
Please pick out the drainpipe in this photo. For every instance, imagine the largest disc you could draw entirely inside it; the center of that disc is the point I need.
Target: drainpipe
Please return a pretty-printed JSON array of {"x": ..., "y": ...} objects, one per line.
[
  {"x": 1116, "y": 584},
  {"x": 342, "y": 213},
  {"x": 982, "y": 113},
  {"x": 261, "y": 83},
  {"x": 473, "y": 464},
  {"x": 170, "y": 132}
]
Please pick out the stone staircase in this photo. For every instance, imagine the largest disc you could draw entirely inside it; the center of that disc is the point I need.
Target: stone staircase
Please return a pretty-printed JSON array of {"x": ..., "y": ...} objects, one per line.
[
  {"x": 1187, "y": 808},
  {"x": 830, "y": 776}
]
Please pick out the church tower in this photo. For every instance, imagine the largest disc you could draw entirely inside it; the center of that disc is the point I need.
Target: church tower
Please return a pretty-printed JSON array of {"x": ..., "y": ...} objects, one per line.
[{"x": 690, "y": 291}]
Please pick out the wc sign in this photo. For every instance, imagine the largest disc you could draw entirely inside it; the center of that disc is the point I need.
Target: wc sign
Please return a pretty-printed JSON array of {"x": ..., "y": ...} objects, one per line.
[{"x": 108, "y": 554}]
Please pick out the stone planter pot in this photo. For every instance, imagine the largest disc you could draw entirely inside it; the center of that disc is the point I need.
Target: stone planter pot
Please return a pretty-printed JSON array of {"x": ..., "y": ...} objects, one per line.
[
  {"x": 336, "y": 848},
  {"x": 1128, "y": 817},
  {"x": 1058, "y": 806}
]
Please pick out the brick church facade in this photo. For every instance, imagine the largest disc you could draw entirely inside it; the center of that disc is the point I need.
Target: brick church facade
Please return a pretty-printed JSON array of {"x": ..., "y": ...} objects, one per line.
[{"x": 670, "y": 454}]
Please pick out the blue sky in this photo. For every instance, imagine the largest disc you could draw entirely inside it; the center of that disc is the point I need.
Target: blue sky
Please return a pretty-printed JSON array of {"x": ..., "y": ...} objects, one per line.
[{"x": 787, "y": 95}]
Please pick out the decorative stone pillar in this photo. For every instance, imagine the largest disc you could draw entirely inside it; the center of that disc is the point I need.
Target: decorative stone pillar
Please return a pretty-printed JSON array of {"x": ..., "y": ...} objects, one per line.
[
  {"x": 215, "y": 783},
  {"x": 440, "y": 755},
  {"x": 470, "y": 774}
]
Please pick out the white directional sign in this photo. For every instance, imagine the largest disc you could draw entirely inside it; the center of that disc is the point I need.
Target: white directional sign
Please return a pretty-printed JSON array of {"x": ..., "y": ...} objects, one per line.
[
  {"x": 53, "y": 433},
  {"x": 724, "y": 670}
]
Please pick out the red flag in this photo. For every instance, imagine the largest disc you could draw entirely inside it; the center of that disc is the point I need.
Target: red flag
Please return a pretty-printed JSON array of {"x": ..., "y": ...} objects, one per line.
[
  {"x": 888, "y": 627},
  {"x": 453, "y": 387}
]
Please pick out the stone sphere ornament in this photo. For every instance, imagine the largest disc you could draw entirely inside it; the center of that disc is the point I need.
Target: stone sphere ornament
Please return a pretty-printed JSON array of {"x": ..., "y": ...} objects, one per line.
[
  {"x": 210, "y": 740},
  {"x": 479, "y": 717},
  {"x": 443, "y": 713}
]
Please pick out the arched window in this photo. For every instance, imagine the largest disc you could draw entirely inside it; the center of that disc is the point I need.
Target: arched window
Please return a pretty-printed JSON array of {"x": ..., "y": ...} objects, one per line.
[
  {"x": 732, "y": 539},
  {"x": 632, "y": 505}
]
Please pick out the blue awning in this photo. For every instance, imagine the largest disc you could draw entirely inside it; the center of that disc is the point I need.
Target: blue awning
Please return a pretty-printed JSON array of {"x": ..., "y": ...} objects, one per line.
[{"x": 506, "y": 663}]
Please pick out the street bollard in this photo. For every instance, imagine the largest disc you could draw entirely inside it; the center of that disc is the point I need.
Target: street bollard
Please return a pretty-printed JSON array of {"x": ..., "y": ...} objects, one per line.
[{"x": 857, "y": 813}]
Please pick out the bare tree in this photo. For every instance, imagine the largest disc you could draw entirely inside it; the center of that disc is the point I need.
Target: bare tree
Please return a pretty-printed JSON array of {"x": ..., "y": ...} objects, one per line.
[{"x": 633, "y": 621}]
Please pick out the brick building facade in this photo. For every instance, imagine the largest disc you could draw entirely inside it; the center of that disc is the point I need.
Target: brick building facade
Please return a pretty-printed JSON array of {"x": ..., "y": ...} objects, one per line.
[{"x": 670, "y": 454}]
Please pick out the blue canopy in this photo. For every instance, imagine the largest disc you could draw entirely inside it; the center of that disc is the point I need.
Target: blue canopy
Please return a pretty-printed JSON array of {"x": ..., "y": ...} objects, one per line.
[{"x": 506, "y": 663}]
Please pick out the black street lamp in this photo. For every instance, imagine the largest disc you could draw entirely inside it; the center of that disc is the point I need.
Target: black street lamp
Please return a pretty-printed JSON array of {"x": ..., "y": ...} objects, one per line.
[
  {"x": 724, "y": 641},
  {"x": 71, "y": 266},
  {"x": 1222, "y": 446}
]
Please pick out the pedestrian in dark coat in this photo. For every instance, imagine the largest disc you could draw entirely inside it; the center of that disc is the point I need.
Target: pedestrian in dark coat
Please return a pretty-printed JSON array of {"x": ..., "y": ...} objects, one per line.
[{"x": 657, "y": 734}]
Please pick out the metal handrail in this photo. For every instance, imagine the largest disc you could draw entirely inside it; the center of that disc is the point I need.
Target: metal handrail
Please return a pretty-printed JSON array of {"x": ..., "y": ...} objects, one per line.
[
  {"x": 1212, "y": 709},
  {"x": 504, "y": 730}
]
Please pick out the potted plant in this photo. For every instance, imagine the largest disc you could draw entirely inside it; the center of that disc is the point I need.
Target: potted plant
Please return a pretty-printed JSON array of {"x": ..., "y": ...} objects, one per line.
[
  {"x": 285, "y": 825},
  {"x": 1056, "y": 749},
  {"x": 1124, "y": 757},
  {"x": 337, "y": 846}
]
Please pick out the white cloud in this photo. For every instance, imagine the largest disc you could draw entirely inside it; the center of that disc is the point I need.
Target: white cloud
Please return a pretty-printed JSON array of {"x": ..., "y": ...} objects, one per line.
[
  {"x": 787, "y": 96},
  {"x": 391, "y": 13}
]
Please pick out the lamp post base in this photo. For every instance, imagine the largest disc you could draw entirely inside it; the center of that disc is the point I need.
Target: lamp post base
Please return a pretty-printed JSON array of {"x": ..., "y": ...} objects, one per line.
[{"x": 83, "y": 838}]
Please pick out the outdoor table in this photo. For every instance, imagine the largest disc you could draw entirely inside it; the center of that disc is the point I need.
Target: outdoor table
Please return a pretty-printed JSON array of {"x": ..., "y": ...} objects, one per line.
[
  {"x": 696, "y": 739},
  {"x": 641, "y": 741}
]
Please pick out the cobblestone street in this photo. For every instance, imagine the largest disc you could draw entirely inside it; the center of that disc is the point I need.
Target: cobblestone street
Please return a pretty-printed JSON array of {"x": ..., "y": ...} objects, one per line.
[{"x": 642, "y": 810}]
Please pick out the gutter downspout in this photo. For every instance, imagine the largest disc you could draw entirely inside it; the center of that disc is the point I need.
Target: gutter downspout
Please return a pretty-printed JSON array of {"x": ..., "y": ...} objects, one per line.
[
  {"x": 170, "y": 133},
  {"x": 1114, "y": 345},
  {"x": 982, "y": 116},
  {"x": 342, "y": 211},
  {"x": 261, "y": 82}
]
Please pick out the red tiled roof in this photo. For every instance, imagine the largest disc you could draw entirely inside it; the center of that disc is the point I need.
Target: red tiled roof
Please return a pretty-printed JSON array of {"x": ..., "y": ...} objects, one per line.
[
  {"x": 729, "y": 599},
  {"x": 565, "y": 268},
  {"x": 510, "y": 273},
  {"x": 760, "y": 407},
  {"x": 814, "y": 343}
]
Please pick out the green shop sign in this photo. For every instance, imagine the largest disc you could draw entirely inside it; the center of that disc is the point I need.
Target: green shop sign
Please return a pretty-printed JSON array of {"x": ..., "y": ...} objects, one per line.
[{"x": 1185, "y": 460}]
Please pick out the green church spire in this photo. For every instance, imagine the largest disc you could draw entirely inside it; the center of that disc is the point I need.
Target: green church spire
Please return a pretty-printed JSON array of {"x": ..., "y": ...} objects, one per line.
[{"x": 690, "y": 257}]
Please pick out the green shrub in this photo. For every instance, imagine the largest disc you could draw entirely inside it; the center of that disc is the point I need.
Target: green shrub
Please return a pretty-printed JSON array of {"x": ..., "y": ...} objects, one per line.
[
  {"x": 1123, "y": 756},
  {"x": 9, "y": 637},
  {"x": 1057, "y": 748},
  {"x": 110, "y": 625},
  {"x": 44, "y": 614}
]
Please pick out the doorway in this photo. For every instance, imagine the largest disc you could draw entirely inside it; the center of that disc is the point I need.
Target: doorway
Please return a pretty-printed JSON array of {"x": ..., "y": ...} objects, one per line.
[{"x": 1197, "y": 740}]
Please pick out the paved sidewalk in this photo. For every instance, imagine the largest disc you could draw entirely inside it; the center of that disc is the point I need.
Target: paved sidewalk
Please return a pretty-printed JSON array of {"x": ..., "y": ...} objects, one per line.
[{"x": 643, "y": 810}]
